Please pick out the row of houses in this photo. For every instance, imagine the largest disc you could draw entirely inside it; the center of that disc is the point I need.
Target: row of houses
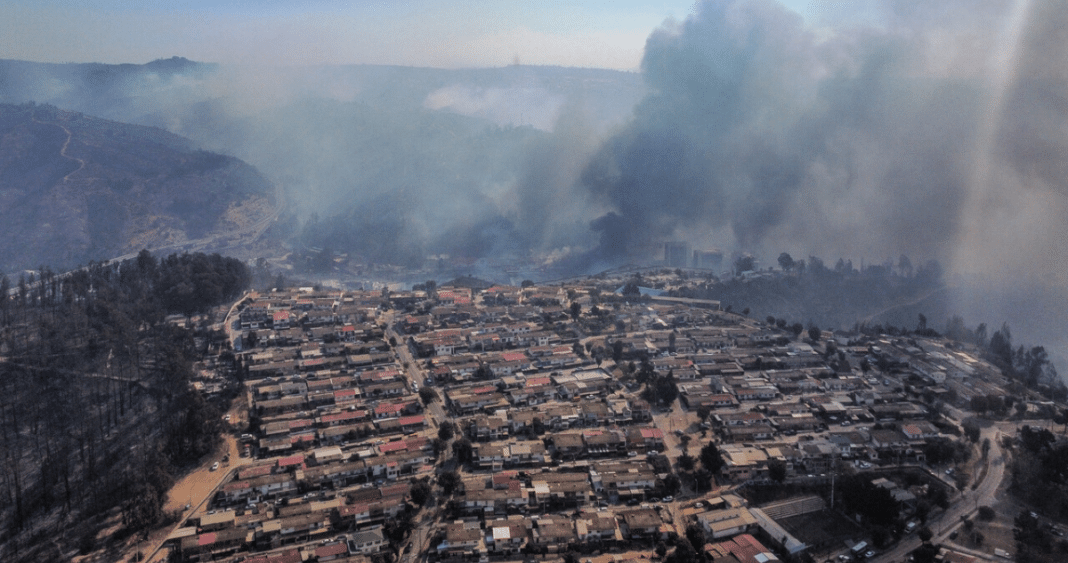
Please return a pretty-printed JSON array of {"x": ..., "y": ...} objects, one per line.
[
  {"x": 551, "y": 533},
  {"x": 750, "y": 462},
  {"x": 272, "y": 526}
]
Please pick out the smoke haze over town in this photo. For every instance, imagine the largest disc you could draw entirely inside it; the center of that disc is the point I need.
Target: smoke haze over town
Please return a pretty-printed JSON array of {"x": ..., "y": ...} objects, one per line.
[{"x": 886, "y": 128}]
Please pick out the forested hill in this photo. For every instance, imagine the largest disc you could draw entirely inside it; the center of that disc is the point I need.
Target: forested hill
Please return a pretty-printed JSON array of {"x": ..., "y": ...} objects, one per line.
[
  {"x": 97, "y": 411},
  {"x": 74, "y": 188}
]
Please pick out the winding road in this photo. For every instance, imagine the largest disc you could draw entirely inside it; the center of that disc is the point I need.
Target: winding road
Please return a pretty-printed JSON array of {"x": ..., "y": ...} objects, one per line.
[{"x": 965, "y": 505}]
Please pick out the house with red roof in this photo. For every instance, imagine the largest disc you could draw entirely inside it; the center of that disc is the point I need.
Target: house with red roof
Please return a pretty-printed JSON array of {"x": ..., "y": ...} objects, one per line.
[
  {"x": 332, "y": 551},
  {"x": 647, "y": 439},
  {"x": 291, "y": 462},
  {"x": 744, "y": 547}
]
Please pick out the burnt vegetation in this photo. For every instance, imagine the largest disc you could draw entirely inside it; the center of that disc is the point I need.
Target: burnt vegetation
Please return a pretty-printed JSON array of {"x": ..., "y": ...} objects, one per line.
[
  {"x": 835, "y": 295},
  {"x": 97, "y": 414}
]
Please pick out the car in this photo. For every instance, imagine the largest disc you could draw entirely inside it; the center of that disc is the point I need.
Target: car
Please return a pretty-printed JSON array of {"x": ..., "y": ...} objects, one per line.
[
  {"x": 950, "y": 472},
  {"x": 698, "y": 505},
  {"x": 632, "y": 454},
  {"x": 215, "y": 466},
  {"x": 668, "y": 499},
  {"x": 226, "y": 418},
  {"x": 679, "y": 433},
  {"x": 869, "y": 554}
]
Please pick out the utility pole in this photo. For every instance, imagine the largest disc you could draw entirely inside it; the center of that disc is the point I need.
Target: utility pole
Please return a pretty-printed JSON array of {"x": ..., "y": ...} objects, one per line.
[{"x": 834, "y": 473}]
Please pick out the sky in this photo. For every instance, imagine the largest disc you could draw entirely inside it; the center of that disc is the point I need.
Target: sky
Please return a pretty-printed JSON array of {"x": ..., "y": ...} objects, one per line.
[{"x": 428, "y": 33}]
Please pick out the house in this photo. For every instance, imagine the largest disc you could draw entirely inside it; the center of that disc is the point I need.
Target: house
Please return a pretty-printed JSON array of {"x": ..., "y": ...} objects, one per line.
[
  {"x": 505, "y": 537},
  {"x": 569, "y": 445},
  {"x": 726, "y": 522},
  {"x": 462, "y": 540},
  {"x": 555, "y": 533},
  {"x": 597, "y": 527},
  {"x": 748, "y": 433},
  {"x": 742, "y": 463},
  {"x": 604, "y": 442},
  {"x": 331, "y": 551},
  {"x": 212, "y": 544},
  {"x": 744, "y": 548},
  {"x": 642, "y": 523},
  {"x": 645, "y": 439},
  {"x": 366, "y": 542},
  {"x": 740, "y": 418}
]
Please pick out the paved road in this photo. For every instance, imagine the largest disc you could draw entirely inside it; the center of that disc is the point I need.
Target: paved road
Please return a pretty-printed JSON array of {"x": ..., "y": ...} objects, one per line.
[
  {"x": 968, "y": 504},
  {"x": 414, "y": 371}
]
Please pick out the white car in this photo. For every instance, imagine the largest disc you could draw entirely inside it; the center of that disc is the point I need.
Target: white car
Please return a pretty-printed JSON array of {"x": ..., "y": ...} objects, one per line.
[{"x": 214, "y": 466}]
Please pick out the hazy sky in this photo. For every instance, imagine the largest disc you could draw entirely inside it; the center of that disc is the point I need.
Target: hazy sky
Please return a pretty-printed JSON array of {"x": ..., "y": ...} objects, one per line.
[{"x": 437, "y": 33}]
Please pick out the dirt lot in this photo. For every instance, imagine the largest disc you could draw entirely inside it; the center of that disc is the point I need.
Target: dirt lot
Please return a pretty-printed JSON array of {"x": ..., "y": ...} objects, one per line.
[{"x": 195, "y": 488}]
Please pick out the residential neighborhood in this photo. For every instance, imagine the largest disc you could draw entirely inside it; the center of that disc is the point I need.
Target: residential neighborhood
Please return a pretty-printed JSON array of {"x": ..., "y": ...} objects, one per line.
[{"x": 540, "y": 422}]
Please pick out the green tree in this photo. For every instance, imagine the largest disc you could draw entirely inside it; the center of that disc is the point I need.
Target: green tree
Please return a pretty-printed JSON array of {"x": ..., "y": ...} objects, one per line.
[
  {"x": 695, "y": 533},
  {"x": 420, "y": 492},
  {"x": 777, "y": 470},
  {"x": 428, "y": 395},
  {"x": 463, "y": 450},
  {"x": 446, "y": 431},
  {"x": 686, "y": 462},
  {"x": 786, "y": 262},
  {"x": 684, "y": 553},
  {"x": 672, "y": 484},
  {"x": 744, "y": 263},
  {"x": 925, "y": 534},
  {"x": 450, "y": 482},
  {"x": 711, "y": 459}
]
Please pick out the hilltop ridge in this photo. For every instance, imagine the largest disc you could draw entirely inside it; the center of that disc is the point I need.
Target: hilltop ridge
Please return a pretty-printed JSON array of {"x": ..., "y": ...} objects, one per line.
[{"x": 75, "y": 188}]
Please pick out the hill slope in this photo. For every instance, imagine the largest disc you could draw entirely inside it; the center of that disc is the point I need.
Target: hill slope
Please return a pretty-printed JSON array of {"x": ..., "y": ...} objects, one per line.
[{"x": 75, "y": 188}]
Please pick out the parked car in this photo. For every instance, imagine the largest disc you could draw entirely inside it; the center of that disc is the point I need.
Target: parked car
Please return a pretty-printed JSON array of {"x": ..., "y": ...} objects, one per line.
[{"x": 214, "y": 466}]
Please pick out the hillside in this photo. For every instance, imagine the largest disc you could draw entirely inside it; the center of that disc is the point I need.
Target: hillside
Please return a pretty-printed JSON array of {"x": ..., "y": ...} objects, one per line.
[
  {"x": 74, "y": 188},
  {"x": 387, "y": 164}
]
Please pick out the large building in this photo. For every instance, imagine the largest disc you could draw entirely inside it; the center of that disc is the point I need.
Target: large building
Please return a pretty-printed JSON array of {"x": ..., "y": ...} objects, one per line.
[
  {"x": 677, "y": 254},
  {"x": 707, "y": 259}
]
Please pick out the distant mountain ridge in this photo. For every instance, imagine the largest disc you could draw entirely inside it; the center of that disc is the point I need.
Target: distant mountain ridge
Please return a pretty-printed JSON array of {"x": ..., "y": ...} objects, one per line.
[
  {"x": 75, "y": 188},
  {"x": 388, "y": 164}
]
